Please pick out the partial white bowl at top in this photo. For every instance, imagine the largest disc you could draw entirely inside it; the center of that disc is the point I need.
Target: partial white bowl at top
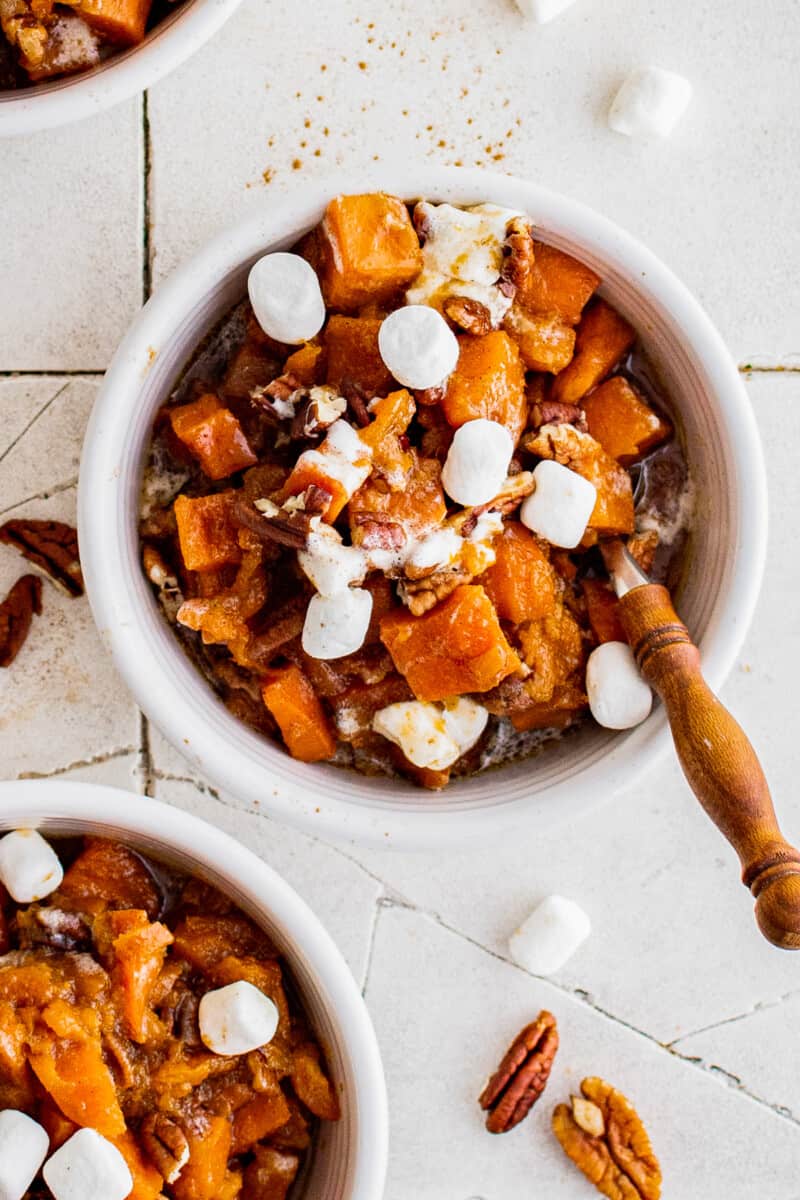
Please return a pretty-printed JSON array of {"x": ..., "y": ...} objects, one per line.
[
  {"x": 726, "y": 556},
  {"x": 73, "y": 97},
  {"x": 349, "y": 1156}
]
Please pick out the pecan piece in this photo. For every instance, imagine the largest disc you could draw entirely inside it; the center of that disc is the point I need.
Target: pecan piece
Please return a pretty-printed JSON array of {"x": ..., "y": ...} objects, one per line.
[
  {"x": 317, "y": 412},
  {"x": 165, "y": 1144},
  {"x": 522, "y": 1075},
  {"x": 604, "y": 1136},
  {"x": 642, "y": 546},
  {"x": 519, "y": 254},
  {"x": 16, "y": 614},
  {"x": 470, "y": 315},
  {"x": 553, "y": 412},
  {"x": 287, "y": 529},
  {"x": 421, "y": 595},
  {"x": 50, "y": 545}
]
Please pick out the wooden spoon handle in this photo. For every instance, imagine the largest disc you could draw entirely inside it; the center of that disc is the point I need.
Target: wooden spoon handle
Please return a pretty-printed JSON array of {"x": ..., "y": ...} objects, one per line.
[{"x": 718, "y": 760}]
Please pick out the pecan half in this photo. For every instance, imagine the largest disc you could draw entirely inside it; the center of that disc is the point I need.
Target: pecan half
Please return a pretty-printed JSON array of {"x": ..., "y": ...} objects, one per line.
[
  {"x": 519, "y": 254},
  {"x": 421, "y": 595},
  {"x": 553, "y": 412},
  {"x": 604, "y": 1136},
  {"x": 470, "y": 315},
  {"x": 50, "y": 545},
  {"x": 287, "y": 529},
  {"x": 16, "y": 614},
  {"x": 321, "y": 407},
  {"x": 165, "y": 1144},
  {"x": 356, "y": 402},
  {"x": 522, "y": 1075}
]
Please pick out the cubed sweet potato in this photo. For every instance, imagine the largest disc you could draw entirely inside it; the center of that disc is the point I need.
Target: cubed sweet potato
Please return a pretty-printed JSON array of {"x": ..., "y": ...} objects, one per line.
[
  {"x": 204, "y": 941},
  {"x": 489, "y": 381},
  {"x": 553, "y": 649},
  {"x": 620, "y": 420},
  {"x": 353, "y": 355},
  {"x": 392, "y": 416},
  {"x": 566, "y": 704},
  {"x": 121, "y": 21},
  {"x": 457, "y": 647},
  {"x": 520, "y": 583},
  {"x": 304, "y": 364},
  {"x": 603, "y": 337},
  {"x": 213, "y": 435},
  {"x": 301, "y": 719},
  {"x": 312, "y": 1084},
  {"x": 138, "y": 955},
  {"x": 66, "y": 1057},
  {"x": 369, "y": 250},
  {"x": 109, "y": 875},
  {"x": 602, "y": 609},
  {"x": 558, "y": 284},
  {"x": 16, "y": 1081},
  {"x": 545, "y": 341},
  {"x": 209, "y": 1149},
  {"x": 147, "y": 1182},
  {"x": 337, "y": 472},
  {"x": 270, "y": 1175},
  {"x": 379, "y": 516},
  {"x": 257, "y": 1119},
  {"x": 613, "y": 510},
  {"x": 207, "y": 534}
]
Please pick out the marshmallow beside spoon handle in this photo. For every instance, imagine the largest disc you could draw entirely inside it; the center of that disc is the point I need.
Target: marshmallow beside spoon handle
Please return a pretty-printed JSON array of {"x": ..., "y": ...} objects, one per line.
[{"x": 720, "y": 764}]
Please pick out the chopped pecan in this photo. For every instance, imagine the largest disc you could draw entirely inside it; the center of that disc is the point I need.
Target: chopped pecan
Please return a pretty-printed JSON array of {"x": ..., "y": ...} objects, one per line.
[
  {"x": 356, "y": 402},
  {"x": 642, "y": 546},
  {"x": 604, "y": 1136},
  {"x": 282, "y": 388},
  {"x": 165, "y": 1144},
  {"x": 420, "y": 595},
  {"x": 50, "y": 545},
  {"x": 553, "y": 412},
  {"x": 321, "y": 407},
  {"x": 470, "y": 315},
  {"x": 52, "y": 927},
  {"x": 17, "y": 611},
  {"x": 522, "y": 1075},
  {"x": 431, "y": 395},
  {"x": 512, "y": 493},
  {"x": 287, "y": 529},
  {"x": 156, "y": 569},
  {"x": 519, "y": 254}
]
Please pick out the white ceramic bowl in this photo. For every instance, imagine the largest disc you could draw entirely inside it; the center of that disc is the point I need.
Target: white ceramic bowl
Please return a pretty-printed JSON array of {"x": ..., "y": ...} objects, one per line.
[
  {"x": 62, "y": 101},
  {"x": 726, "y": 562},
  {"x": 349, "y": 1157}
]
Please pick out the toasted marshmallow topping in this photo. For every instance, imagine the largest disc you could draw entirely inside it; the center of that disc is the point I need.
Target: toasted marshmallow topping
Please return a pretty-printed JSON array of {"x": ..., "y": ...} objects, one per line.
[
  {"x": 29, "y": 867},
  {"x": 337, "y": 625},
  {"x": 418, "y": 346},
  {"x": 286, "y": 298},
  {"x": 88, "y": 1165},
  {"x": 432, "y": 735},
  {"x": 560, "y": 506},
  {"x": 618, "y": 696},
  {"x": 477, "y": 461},
  {"x": 236, "y": 1019},
  {"x": 23, "y": 1148},
  {"x": 331, "y": 566}
]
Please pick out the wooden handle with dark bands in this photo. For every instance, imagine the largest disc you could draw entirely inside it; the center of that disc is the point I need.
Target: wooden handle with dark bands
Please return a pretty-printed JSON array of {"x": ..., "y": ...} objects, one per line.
[{"x": 720, "y": 764}]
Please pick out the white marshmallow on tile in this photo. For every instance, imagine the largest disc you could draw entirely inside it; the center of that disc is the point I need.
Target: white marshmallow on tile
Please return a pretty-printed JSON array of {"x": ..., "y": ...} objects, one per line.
[
  {"x": 418, "y": 346},
  {"x": 560, "y": 505},
  {"x": 477, "y": 462},
  {"x": 29, "y": 867},
  {"x": 329, "y": 564},
  {"x": 432, "y": 735},
  {"x": 286, "y": 297},
  {"x": 88, "y": 1165},
  {"x": 236, "y": 1019},
  {"x": 618, "y": 696},
  {"x": 550, "y": 935},
  {"x": 650, "y": 103},
  {"x": 543, "y": 10},
  {"x": 23, "y": 1148},
  {"x": 337, "y": 625}
]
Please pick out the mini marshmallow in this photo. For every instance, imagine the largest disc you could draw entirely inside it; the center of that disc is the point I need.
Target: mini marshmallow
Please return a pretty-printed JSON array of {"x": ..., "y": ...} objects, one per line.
[
  {"x": 543, "y": 10},
  {"x": 236, "y": 1019},
  {"x": 550, "y": 935},
  {"x": 29, "y": 867},
  {"x": 560, "y": 505},
  {"x": 432, "y": 735},
  {"x": 418, "y": 346},
  {"x": 618, "y": 696},
  {"x": 650, "y": 103},
  {"x": 23, "y": 1148},
  {"x": 286, "y": 297},
  {"x": 329, "y": 564},
  {"x": 337, "y": 625},
  {"x": 477, "y": 462},
  {"x": 88, "y": 1165}
]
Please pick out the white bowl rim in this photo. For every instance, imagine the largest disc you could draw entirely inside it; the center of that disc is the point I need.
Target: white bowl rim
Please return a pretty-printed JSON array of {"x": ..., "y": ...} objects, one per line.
[
  {"x": 74, "y": 97},
  {"x": 29, "y": 803},
  {"x": 313, "y": 809}
]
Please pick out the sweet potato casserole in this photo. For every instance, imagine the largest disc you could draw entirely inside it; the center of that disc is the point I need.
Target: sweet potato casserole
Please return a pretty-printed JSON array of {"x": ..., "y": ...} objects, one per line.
[
  {"x": 373, "y": 504},
  {"x": 149, "y": 1033}
]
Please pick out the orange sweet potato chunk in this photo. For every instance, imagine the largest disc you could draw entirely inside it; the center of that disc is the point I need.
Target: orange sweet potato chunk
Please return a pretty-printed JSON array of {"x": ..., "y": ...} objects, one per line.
[
  {"x": 603, "y": 337},
  {"x": 417, "y": 510},
  {"x": 392, "y": 416},
  {"x": 270, "y": 1175},
  {"x": 147, "y": 1182},
  {"x": 213, "y": 435},
  {"x": 312, "y": 1084},
  {"x": 567, "y": 702},
  {"x": 620, "y": 420},
  {"x": 489, "y": 381},
  {"x": 557, "y": 284},
  {"x": 613, "y": 510},
  {"x": 257, "y": 1119},
  {"x": 545, "y": 341},
  {"x": 455, "y": 648},
  {"x": 109, "y": 875},
  {"x": 207, "y": 535},
  {"x": 301, "y": 719},
  {"x": 204, "y": 941},
  {"x": 304, "y": 364},
  {"x": 139, "y": 949},
  {"x": 369, "y": 250},
  {"x": 209, "y": 1149},
  {"x": 520, "y": 583},
  {"x": 602, "y": 609},
  {"x": 121, "y": 21},
  {"x": 66, "y": 1057},
  {"x": 353, "y": 355}
]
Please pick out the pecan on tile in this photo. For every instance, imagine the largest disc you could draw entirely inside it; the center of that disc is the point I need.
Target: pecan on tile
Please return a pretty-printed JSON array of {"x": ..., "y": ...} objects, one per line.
[
  {"x": 17, "y": 611},
  {"x": 470, "y": 315},
  {"x": 604, "y": 1136},
  {"x": 50, "y": 545},
  {"x": 165, "y": 1144},
  {"x": 519, "y": 253},
  {"x": 522, "y": 1076}
]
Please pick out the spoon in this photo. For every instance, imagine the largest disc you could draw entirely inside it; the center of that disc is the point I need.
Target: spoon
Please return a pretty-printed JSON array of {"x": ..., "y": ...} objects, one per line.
[{"x": 720, "y": 764}]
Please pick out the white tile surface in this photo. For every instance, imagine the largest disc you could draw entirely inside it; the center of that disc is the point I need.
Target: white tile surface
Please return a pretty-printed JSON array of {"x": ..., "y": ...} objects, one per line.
[{"x": 71, "y": 274}]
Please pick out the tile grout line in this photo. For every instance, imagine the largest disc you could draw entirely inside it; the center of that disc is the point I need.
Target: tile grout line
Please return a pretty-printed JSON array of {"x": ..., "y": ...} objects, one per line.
[
  {"x": 48, "y": 494},
  {"x": 147, "y": 272},
  {"x": 21, "y": 373},
  {"x": 377, "y": 909},
  {"x": 37, "y": 417},
  {"x": 145, "y": 765},
  {"x": 95, "y": 760}
]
